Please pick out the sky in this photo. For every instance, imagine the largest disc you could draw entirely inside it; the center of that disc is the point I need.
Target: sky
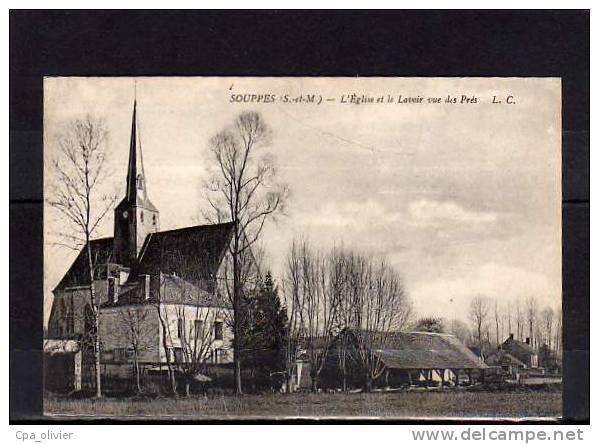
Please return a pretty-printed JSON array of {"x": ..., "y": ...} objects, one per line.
[{"x": 462, "y": 199}]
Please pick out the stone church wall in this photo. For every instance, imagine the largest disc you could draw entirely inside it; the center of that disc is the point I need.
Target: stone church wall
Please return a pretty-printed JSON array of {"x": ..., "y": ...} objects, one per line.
[{"x": 116, "y": 336}]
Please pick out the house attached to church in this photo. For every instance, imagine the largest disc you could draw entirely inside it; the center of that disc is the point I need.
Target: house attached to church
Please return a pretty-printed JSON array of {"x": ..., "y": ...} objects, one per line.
[{"x": 161, "y": 294}]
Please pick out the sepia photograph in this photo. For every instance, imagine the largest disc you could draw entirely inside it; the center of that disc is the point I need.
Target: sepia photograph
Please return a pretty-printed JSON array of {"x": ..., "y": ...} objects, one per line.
[{"x": 302, "y": 247}]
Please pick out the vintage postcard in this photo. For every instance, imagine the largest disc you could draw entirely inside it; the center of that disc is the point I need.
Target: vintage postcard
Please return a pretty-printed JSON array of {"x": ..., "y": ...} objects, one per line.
[{"x": 238, "y": 247}]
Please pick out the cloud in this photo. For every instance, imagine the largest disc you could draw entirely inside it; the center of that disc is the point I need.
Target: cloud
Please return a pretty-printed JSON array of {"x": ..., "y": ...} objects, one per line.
[
  {"x": 425, "y": 211},
  {"x": 437, "y": 191},
  {"x": 506, "y": 283},
  {"x": 372, "y": 213},
  {"x": 354, "y": 215}
]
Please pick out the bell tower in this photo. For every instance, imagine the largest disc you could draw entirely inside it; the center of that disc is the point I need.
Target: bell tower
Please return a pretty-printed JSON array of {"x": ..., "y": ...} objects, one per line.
[{"x": 135, "y": 216}]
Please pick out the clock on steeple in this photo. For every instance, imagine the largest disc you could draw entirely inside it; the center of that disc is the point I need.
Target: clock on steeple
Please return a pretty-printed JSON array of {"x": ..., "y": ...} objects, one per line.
[{"x": 135, "y": 216}]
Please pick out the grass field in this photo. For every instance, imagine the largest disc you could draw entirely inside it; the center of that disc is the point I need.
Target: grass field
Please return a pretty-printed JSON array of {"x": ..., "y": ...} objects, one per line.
[{"x": 389, "y": 405}]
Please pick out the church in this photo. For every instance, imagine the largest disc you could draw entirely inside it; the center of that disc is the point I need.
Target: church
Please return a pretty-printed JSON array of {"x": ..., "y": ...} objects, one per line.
[{"x": 162, "y": 295}]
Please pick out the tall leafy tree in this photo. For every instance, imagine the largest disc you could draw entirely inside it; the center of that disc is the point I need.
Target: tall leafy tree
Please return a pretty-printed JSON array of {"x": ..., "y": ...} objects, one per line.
[{"x": 266, "y": 337}]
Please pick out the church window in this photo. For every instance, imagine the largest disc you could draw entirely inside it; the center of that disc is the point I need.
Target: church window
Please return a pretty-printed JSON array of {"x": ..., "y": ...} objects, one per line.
[
  {"x": 179, "y": 328},
  {"x": 218, "y": 355},
  {"x": 141, "y": 217},
  {"x": 154, "y": 219},
  {"x": 140, "y": 182},
  {"x": 218, "y": 330}
]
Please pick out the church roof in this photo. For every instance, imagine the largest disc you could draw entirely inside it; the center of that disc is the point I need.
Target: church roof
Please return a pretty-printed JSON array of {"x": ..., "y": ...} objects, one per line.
[
  {"x": 78, "y": 273},
  {"x": 173, "y": 289},
  {"x": 193, "y": 253}
]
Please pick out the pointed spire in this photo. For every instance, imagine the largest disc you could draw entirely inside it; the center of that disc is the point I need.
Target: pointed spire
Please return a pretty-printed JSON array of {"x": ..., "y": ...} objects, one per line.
[
  {"x": 136, "y": 187},
  {"x": 137, "y": 193},
  {"x": 135, "y": 215},
  {"x": 132, "y": 168}
]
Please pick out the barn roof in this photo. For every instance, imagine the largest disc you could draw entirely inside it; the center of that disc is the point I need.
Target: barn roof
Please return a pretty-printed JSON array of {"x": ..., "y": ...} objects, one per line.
[
  {"x": 420, "y": 350},
  {"x": 520, "y": 347},
  {"x": 194, "y": 253},
  {"x": 501, "y": 356}
]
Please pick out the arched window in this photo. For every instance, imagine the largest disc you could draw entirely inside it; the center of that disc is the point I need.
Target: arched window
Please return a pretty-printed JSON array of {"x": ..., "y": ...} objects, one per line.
[
  {"x": 140, "y": 182},
  {"x": 141, "y": 217}
]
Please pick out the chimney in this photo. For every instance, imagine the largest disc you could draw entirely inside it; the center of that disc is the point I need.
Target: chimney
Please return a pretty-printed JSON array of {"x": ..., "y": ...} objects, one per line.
[
  {"x": 528, "y": 341},
  {"x": 145, "y": 285},
  {"x": 511, "y": 336}
]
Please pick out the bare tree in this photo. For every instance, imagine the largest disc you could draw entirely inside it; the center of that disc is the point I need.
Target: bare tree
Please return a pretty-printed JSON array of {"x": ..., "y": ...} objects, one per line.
[
  {"x": 508, "y": 316},
  {"x": 348, "y": 282},
  {"x": 195, "y": 336},
  {"x": 502, "y": 321},
  {"x": 348, "y": 293},
  {"x": 352, "y": 273},
  {"x": 165, "y": 335},
  {"x": 558, "y": 333},
  {"x": 519, "y": 321},
  {"x": 531, "y": 316},
  {"x": 294, "y": 303},
  {"x": 138, "y": 329},
  {"x": 479, "y": 309},
  {"x": 242, "y": 190},
  {"x": 249, "y": 265},
  {"x": 547, "y": 320},
  {"x": 189, "y": 304},
  {"x": 78, "y": 170},
  {"x": 383, "y": 309},
  {"x": 496, "y": 317},
  {"x": 316, "y": 307},
  {"x": 321, "y": 307}
]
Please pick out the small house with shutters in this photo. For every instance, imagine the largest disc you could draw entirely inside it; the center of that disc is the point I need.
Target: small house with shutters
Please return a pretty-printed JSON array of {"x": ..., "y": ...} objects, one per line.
[
  {"x": 511, "y": 365},
  {"x": 165, "y": 287},
  {"x": 522, "y": 350}
]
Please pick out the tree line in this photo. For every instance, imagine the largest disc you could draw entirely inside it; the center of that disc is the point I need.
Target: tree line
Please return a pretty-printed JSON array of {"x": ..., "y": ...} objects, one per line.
[
  {"x": 328, "y": 293},
  {"x": 493, "y": 320}
]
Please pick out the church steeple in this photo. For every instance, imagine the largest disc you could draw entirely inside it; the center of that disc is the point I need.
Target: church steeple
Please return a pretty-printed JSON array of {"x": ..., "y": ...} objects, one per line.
[
  {"x": 134, "y": 147},
  {"x": 135, "y": 170},
  {"x": 136, "y": 177},
  {"x": 135, "y": 217}
]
